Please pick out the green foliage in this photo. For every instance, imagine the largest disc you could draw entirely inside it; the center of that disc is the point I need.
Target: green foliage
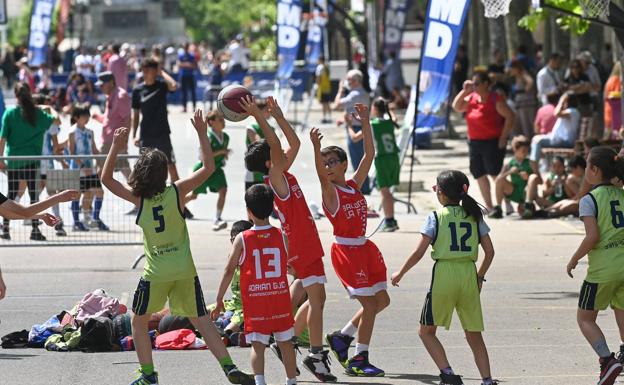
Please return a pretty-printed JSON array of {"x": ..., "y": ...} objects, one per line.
[
  {"x": 18, "y": 27},
  {"x": 219, "y": 21},
  {"x": 575, "y": 25}
]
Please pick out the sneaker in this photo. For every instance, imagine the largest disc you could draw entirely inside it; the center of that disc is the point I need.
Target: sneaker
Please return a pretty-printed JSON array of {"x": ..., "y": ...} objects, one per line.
[
  {"x": 187, "y": 214},
  {"x": 60, "y": 231},
  {"x": 509, "y": 209},
  {"x": 339, "y": 344},
  {"x": 238, "y": 339},
  {"x": 276, "y": 350},
  {"x": 496, "y": 213},
  {"x": 87, "y": 219},
  {"x": 359, "y": 366},
  {"x": 134, "y": 211},
  {"x": 236, "y": 376},
  {"x": 79, "y": 226},
  {"x": 529, "y": 211},
  {"x": 620, "y": 355},
  {"x": 219, "y": 225},
  {"x": 5, "y": 233},
  {"x": 145, "y": 379},
  {"x": 318, "y": 365},
  {"x": 101, "y": 225},
  {"x": 494, "y": 382},
  {"x": 450, "y": 379},
  {"x": 610, "y": 368},
  {"x": 35, "y": 235},
  {"x": 389, "y": 226}
]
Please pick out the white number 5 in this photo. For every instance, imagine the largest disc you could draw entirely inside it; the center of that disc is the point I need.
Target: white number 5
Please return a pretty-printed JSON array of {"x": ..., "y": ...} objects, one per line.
[
  {"x": 388, "y": 142},
  {"x": 274, "y": 262}
]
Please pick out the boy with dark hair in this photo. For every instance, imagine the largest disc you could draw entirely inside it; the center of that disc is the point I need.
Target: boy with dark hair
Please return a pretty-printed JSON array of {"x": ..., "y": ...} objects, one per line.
[
  {"x": 254, "y": 135},
  {"x": 260, "y": 253},
  {"x": 553, "y": 189},
  {"x": 357, "y": 260},
  {"x": 305, "y": 251}
]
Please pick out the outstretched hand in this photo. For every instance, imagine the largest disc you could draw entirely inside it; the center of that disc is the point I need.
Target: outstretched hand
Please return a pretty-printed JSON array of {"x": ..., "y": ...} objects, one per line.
[
  {"x": 361, "y": 113},
  {"x": 274, "y": 109},
  {"x": 248, "y": 103},
  {"x": 316, "y": 137},
  {"x": 50, "y": 219},
  {"x": 69, "y": 195},
  {"x": 120, "y": 137},
  {"x": 199, "y": 122}
]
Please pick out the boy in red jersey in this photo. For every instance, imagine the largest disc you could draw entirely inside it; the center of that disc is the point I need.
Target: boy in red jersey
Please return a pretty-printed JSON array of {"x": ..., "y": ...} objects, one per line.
[
  {"x": 305, "y": 251},
  {"x": 357, "y": 261},
  {"x": 261, "y": 254}
]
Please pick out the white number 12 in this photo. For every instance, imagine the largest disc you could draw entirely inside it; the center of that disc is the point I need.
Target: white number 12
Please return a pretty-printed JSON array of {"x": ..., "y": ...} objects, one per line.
[{"x": 274, "y": 262}]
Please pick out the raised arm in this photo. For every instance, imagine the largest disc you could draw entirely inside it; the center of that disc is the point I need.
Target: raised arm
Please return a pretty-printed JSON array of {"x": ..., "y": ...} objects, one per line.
[
  {"x": 560, "y": 109},
  {"x": 228, "y": 274},
  {"x": 120, "y": 137},
  {"x": 294, "y": 144},
  {"x": 460, "y": 104},
  {"x": 189, "y": 184},
  {"x": 172, "y": 85},
  {"x": 328, "y": 191},
  {"x": 369, "y": 146}
]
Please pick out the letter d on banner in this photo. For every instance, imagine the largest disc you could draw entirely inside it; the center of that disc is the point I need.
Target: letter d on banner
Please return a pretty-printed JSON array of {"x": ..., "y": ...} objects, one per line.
[{"x": 288, "y": 36}]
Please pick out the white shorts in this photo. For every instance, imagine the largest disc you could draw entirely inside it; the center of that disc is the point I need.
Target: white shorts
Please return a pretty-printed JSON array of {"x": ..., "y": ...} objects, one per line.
[{"x": 282, "y": 336}]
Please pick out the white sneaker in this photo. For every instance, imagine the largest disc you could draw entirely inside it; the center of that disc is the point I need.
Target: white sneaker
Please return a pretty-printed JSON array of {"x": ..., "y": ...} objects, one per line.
[{"x": 219, "y": 225}]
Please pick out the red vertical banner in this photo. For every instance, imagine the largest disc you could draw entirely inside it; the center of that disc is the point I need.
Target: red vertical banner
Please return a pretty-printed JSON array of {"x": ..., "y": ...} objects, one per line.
[{"x": 63, "y": 18}]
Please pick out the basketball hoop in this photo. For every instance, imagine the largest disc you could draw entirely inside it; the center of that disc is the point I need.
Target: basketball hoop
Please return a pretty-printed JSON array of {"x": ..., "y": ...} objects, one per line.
[
  {"x": 496, "y": 8},
  {"x": 595, "y": 8}
]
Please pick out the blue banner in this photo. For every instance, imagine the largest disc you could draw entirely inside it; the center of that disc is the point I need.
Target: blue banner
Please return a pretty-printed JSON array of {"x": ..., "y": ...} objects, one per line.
[
  {"x": 443, "y": 27},
  {"x": 288, "y": 36},
  {"x": 395, "y": 14},
  {"x": 314, "y": 44},
  {"x": 40, "y": 22}
]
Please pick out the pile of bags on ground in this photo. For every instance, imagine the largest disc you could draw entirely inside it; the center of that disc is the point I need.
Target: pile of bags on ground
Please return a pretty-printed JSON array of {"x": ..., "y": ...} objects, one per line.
[{"x": 99, "y": 323}]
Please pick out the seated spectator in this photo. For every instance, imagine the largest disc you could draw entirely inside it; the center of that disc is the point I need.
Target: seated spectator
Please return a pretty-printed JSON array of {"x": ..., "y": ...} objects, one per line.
[
  {"x": 545, "y": 118},
  {"x": 564, "y": 132},
  {"x": 518, "y": 170},
  {"x": 575, "y": 188},
  {"x": 553, "y": 189}
]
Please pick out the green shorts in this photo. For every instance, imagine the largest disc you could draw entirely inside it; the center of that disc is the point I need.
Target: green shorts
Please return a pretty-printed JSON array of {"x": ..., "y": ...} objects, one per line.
[
  {"x": 388, "y": 170},
  {"x": 185, "y": 297},
  {"x": 214, "y": 183},
  {"x": 518, "y": 195},
  {"x": 599, "y": 296},
  {"x": 237, "y": 314},
  {"x": 453, "y": 287}
]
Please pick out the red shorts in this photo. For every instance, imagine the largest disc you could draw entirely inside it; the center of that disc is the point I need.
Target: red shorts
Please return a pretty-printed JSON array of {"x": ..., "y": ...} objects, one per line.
[
  {"x": 361, "y": 269},
  {"x": 309, "y": 273}
]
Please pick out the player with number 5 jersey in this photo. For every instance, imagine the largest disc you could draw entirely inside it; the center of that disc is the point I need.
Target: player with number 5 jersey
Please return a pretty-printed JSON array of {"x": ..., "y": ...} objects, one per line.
[
  {"x": 602, "y": 212},
  {"x": 454, "y": 233},
  {"x": 169, "y": 274}
]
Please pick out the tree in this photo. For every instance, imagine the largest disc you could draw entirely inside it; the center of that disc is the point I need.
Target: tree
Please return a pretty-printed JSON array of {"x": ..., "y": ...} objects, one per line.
[
  {"x": 575, "y": 25},
  {"x": 219, "y": 21}
]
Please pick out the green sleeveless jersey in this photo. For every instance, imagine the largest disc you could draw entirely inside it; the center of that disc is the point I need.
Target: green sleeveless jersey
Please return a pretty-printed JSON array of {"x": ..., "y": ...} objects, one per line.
[
  {"x": 218, "y": 144},
  {"x": 165, "y": 238},
  {"x": 383, "y": 132},
  {"x": 457, "y": 235},
  {"x": 525, "y": 165},
  {"x": 606, "y": 259}
]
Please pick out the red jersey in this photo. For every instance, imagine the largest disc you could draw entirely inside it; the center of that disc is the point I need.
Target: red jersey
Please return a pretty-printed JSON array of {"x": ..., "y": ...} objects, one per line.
[
  {"x": 349, "y": 220},
  {"x": 263, "y": 281},
  {"x": 304, "y": 244},
  {"x": 484, "y": 122}
]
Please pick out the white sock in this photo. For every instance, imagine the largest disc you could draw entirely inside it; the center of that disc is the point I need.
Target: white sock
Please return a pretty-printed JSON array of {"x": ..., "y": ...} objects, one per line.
[
  {"x": 359, "y": 348},
  {"x": 349, "y": 329},
  {"x": 259, "y": 379},
  {"x": 291, "y": 381}
]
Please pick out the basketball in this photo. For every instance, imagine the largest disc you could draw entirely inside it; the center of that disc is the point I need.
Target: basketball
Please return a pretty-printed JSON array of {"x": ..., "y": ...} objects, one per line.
[{"x": 228, "y": 100}]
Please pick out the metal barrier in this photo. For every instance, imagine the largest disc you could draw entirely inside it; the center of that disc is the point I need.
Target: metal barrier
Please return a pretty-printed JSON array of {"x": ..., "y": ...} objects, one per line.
[{"x": 46, "y": 175}]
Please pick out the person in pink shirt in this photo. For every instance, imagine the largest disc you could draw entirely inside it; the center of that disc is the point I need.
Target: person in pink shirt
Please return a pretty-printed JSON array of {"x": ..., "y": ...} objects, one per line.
[
  {"x": 545, "y": 118},
  {"x": 116, "y": 115},
  {"x": 118, "y": 66}
]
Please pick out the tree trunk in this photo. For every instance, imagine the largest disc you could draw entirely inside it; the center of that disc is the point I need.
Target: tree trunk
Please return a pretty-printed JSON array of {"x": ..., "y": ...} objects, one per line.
[
  {"x": 517, "y": 36},
  {"x": 496, "y": 28}
]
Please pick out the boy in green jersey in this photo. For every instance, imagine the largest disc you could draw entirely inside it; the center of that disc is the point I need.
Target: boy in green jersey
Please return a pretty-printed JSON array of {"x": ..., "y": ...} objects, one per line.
[
  {"x": 216, "y": 183},
  {"x": 602, "y": 212},
  {"x": 454, "y": 233},
  {"x": 169, "y": 273},
  {"x": 517, "y": 170}
]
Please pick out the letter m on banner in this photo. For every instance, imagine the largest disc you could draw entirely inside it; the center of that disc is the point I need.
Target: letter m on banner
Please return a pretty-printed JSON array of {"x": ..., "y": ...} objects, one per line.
[{"x": 288, "y": 36}]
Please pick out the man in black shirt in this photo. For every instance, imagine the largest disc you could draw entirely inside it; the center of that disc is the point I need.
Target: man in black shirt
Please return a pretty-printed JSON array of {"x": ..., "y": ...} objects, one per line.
[{"x": 149, "y": 106}]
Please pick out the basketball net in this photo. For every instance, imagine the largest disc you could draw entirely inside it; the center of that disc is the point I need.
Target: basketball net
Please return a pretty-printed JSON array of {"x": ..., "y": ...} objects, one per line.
[
  {"x": 595, "y": 8},
  {"x": 496, "y": 8}
]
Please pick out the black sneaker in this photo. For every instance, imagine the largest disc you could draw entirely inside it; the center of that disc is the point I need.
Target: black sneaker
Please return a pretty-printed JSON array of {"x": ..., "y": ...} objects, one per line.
[
  {"x": 339, "y": 344},
  {"x": 60, "y": 231},
  {"x": 620, "y": 355},
  {"x": 35, "y": 235},
  {"x": 497, "y": 213},
  {"x": 610, "y": 369},
  {"x": 450, "y": 379},
  {"x": 318, "y": 365},
  {"x": 529, "y": 211},
  {"x": 237, "y": 376},
  {"x": 5, "y": 233},
  {"x": 188, "y": 214},
  {"x": 276, "y": 350}
]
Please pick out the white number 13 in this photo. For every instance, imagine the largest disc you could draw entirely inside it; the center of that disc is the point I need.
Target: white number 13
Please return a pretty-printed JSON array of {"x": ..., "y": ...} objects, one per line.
[{"x": 273, "y": 262}]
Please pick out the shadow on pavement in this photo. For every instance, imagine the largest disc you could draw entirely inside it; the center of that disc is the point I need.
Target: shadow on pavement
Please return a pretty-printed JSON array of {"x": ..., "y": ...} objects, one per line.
[
  {"x": 9, "y": 356},
  {"x": 551, "y": 295}
]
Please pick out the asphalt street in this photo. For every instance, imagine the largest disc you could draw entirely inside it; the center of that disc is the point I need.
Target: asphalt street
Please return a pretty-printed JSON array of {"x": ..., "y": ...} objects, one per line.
[{"x": 529, "y": 302}]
